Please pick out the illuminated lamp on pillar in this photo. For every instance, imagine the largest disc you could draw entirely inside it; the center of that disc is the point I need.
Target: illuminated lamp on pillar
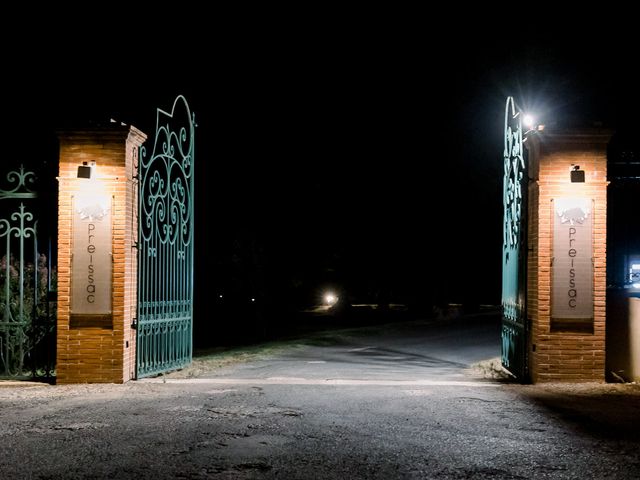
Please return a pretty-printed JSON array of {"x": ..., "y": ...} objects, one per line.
[
  {"x": 577, "y": 175},
  {"x": 86, "y": 169}
]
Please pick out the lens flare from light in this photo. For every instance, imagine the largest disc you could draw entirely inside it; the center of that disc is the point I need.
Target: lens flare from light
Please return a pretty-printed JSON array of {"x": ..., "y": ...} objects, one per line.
[{"x": 528, "y": 121}]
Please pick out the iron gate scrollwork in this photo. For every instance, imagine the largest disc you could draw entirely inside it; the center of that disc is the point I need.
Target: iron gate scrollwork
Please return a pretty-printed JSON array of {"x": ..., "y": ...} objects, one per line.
[
  {"x": 514, "y": 246},
  {"x": 165, "y": 244}
]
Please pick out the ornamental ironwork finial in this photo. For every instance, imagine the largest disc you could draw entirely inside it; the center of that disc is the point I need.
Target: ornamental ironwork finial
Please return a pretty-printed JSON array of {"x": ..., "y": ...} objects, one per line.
[{"x": 21, "y": 183}]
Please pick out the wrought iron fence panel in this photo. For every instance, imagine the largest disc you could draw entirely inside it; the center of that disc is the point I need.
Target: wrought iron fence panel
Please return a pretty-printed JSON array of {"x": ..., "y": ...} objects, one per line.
[{"x": 27, "y": 276}]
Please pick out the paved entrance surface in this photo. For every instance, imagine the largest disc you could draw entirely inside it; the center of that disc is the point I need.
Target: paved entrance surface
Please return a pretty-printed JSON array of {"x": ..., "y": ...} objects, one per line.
[{"x": 398, "y": 402}]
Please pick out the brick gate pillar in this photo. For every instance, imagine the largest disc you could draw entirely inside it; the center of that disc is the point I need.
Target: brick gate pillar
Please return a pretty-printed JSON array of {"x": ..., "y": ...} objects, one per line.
[
  {"x": 97, "y": 262},
  {"x": 567, "y": 255}
]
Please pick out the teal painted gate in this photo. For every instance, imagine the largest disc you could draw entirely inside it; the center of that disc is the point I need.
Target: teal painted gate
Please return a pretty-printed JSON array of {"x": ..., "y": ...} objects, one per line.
[
  {"x": 514, "y": 247},
  {"x": 165, "y": 244}
]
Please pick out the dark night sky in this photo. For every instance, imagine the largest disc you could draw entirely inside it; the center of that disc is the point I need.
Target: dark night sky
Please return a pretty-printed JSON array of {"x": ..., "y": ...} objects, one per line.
[{"x": 364, "y": 152}]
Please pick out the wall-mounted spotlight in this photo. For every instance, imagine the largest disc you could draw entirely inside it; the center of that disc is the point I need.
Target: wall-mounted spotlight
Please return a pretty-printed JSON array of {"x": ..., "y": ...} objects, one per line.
[
  {"x": 577, "y": 175},
  {"x": 529, "y": 121},
  {"x": 531, "y": 124},
  {"x": 87, "y": 169}
]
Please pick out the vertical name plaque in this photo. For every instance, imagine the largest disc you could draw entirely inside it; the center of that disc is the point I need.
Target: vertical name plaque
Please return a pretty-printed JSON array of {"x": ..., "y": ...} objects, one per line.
[
  {"x": 572, "y": 292},
  {"x": 91, "y": 276}
]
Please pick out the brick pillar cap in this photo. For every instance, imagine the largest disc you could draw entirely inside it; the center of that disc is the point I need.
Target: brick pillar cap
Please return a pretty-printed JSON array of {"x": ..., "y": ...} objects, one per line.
[{"x": 110, "y": 130}]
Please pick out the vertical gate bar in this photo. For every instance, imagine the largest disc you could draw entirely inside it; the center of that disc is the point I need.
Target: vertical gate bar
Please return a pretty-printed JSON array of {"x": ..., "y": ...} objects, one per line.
[
  {"x": 35, "y": 268},
  {"x": 172, "y": 309},
  {"x": 34, "y": 311},
  {"x": 191, "y": 237},
  {"x": 162, "y": 271},
  {"x": 7, "y": 276},
  {"x": 21, "y": 288},
  {"x": 7, "y": 311},
  {"x": 163, "y": 296},
  {"x": 140, "y": 266},
  {"x": 21, "y": 319},
  {"x": 171, "y": 345}
]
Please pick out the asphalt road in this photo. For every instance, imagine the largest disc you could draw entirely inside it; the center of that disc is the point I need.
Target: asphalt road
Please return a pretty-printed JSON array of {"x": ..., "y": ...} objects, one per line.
[
  {"x": 403, "y": 352},
  {"x": 396, "y": 403}
]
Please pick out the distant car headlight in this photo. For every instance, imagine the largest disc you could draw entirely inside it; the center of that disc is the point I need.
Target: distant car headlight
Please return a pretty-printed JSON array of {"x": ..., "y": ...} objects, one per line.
[{"x": 330, "y": 299}]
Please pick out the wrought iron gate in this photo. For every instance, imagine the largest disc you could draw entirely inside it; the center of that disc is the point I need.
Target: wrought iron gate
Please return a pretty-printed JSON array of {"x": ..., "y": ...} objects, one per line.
[
  {"x": 27, "y": 317},
  {"x": 165, "y": 244},
  {"x": 514, "y": 247}
]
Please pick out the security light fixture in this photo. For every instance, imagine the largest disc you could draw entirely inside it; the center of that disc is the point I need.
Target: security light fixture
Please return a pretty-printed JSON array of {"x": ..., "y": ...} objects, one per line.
[
  {"x": 528, "y": 121},
  {"x": 577, "y": 175},
  {"x": 86, "y": 169}
]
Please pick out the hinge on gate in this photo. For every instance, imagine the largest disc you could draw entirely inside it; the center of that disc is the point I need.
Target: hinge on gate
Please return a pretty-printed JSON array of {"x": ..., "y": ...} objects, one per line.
[{"x": 134, "y": 323}]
